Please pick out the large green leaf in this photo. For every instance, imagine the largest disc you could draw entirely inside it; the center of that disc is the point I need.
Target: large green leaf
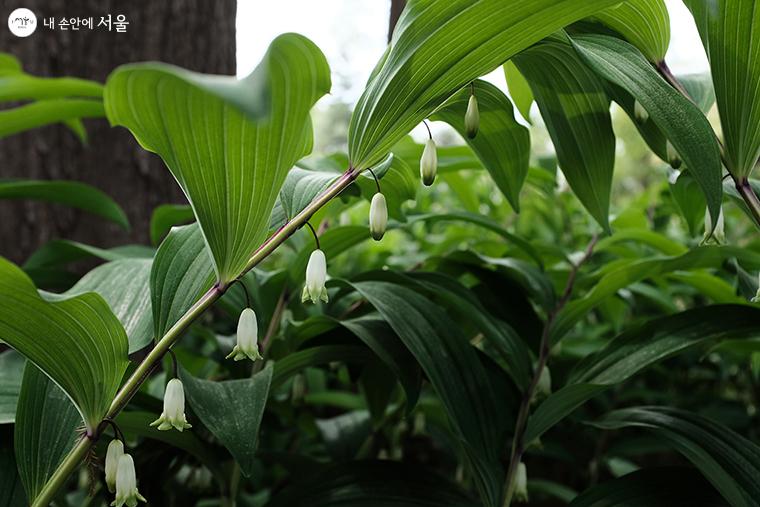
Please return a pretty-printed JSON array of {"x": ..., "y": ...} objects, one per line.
[
  {"x": 639, "y": 348},
  {"x": 182, "y": 271},
  {"x": 124, "y": 284},
  {"x": 372, "y": 484},
  {"x": 679, "y": 118},
  {"x": 439, "y": 47},
  {"x": 730, "y": 31},
  {"x": 728, "y": 460},
  {"x": 45, "y": 431},
  {"x": 229, "y": 160},
  {"x": 502, "y": 144},
  {"x": 71, "y": 193},
  {"x": 576, "y": 110},
  {"x": 653, "y": 487},
  {"x": 78, "y": 342},
  {"x": 165, "y": 217},
  {"x": 644, "y": 23},
  {"x": 455, "y": 371},
  {"x": 232, "y": 411}
]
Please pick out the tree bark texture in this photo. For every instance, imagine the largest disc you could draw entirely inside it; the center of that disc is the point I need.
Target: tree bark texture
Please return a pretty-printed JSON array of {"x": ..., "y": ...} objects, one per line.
[
  {"x": 396, "y": 7},
  {"x": 196, "y": 34}
]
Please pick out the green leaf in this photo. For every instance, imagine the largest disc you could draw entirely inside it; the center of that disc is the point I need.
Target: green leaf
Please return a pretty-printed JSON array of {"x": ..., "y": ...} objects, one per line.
[
  {"x": 619, "y": 276},
  {"x": 70, "y": 193},
  {"x": 44, "y": 112},
  {"x": 314, "y": 356},
  {"x": 502, "y": 144},
  {"x": 229, "y": 161},
  {"x": 519, "y": 90},
  {"x": 124, "y": 284},
  {"x": 138, "y": 423},
  {"x": 11, "y": 372},
  {"x": 78, "y": 342},
  {"x": 456, "y": 373},
  {"x": 165, "y": 217},
  {"x": 182, "y": 271},
  {"x": 730, "y": 31},
  {"x": 728, "y": 460},
  {"x": 681, "y": 121},
  {"x": 700, "y": 89},
  {"x": 20, "y": 86},
  {"x": 689, "y": 201},
  {"x": 643, "y": 23},
  {"x": 232, "y": 411},
  {"x": 652, "y": 487},
  {"x": 301, "y": 187},
  {"x": 372, "y": 484},
  {"x": 639, "y": 348},
  {"x": 45, "y": 431},
  {"x": 438, "y": 48},
  {"x": 576, "y": 110}
]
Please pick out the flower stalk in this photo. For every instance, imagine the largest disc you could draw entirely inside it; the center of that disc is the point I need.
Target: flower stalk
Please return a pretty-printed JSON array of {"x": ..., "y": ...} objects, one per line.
[{"x": 79, "y": 452}]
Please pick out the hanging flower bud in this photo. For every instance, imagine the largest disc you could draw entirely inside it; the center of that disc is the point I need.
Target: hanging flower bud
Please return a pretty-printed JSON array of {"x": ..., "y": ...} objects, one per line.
[
  {"x": 544, "y": 386},
  {"x": 126, "y": 484},
  {"x": 173, "y": 415},
  {"x": 428, "y": 163},
  {"x": 640, "y": 113},
  {"x": 247, "y": 337},
  {"x": 472, "y": 118},
  {"x": 114, "y": 452},
  {"x": 719, "y": 234},
  {"x": 521, "y": 483},
  {"x": 378, "y": 216},
  {"x": 674, "y": 159},
  {"x": 316, "y": 275}
]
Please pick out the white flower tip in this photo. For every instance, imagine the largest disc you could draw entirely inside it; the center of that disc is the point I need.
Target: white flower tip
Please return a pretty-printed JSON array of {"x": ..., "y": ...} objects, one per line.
[
  {"x": 429, "y": 163},
  {"x": 641, "y": 114},
  {"x": 378, "y": 216},
  {"x": 521, "y": 483},
  {"x": 316, "y": 275},
  {"x": 472, "y": 118},
  {"x": 173, "y": 415},
  {"x": 674, "y": 159}
]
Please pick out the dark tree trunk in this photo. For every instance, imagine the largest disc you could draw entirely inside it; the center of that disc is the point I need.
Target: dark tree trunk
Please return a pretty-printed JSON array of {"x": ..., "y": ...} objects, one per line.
[
  {"x": 396, "y": 7},
  {"x": 196, "y": 34}
]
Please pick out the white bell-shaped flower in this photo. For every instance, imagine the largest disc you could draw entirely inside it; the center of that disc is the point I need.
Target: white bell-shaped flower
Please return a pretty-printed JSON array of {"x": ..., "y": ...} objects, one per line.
[
  {"x": 641, "y": 114},
  {"x": 173, "y": 415},
  {"x": 378, "y": 216},
  {"x": 114, "y": 452},
  {"x": 544, "y": 386},
  {"x": 719, "y": 234},
  {"x": 429, "y": 163},
  {"x": 126, "y": 483},
  {"x": 674, "y": 159},
  {"x": 472, "y": 118},
  {"x": 316, "y": 275},
  {"x": 521, "y": 483},
  {"x": 247, "y": 337}
]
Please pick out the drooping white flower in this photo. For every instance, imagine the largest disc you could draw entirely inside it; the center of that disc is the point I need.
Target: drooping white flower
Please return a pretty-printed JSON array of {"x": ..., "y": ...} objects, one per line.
[
  {"x": 378, "y": 216},
  {"x": 472, "y": 118},
  {"x": 247, "y": 337},
  {"x": 544, "y": 386},
  {"x": 521, "y": 483},
  {"x": 641, "y": 114},
  {"x": 719, "y": 234},
  {"x": 126, "y": 483},
  {"x": 316, "y": 275},
  {"x": 429, "y": 163},
  {"x": 114, "y": 452},
  {"x": 674, "y": 159},
  {"x": 173, "y": 415}
]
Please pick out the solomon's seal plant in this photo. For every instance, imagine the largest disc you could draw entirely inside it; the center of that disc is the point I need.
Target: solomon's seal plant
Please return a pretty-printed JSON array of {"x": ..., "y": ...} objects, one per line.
[{"x": 569, "y": 246}]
